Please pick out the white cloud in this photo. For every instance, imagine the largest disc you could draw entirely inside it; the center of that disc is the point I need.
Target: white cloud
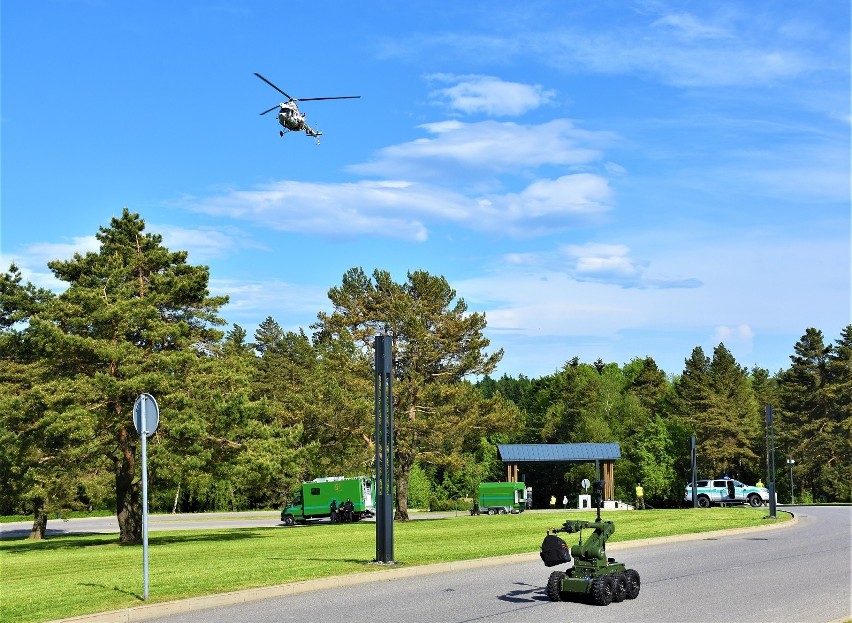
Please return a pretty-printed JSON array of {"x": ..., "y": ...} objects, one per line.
[
  {"x": 276, "y": 298},
  {"x": 547, "y": 206},
  {"x": 488, "y": 95},
  {"x": 32, "y": 260},
  {"x": 736, "y": 338},
  {"x": 45, "y": 252},
  {"x": 690, "y": 27},
  {"x": 486, "y": 148},
  {"x": 692, "y": 64},
  {"x": 335, "y": 210},
  {"x": 415, "y": 190},
  {"x": 605, "y": 263},
  {"x": 721, "y": 46},
  {"x": 404, "y": 210},
  {"x": 532, "y": 303},
  {"x": 202, "y": 243}
]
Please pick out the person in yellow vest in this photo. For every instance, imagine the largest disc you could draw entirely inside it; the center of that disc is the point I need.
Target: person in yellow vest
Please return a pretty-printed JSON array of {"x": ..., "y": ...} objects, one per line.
[
  {"x": 640, "y": 497},
  {"x": 552, "y": 501},
  {"x": 759, "y": 484}
]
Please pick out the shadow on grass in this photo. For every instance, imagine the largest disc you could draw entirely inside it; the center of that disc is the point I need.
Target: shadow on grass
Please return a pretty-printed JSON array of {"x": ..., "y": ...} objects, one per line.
[
  {"x": 23, "y": 545},
  {"x": 300, "y": 559},
  {"x": 113, "y": 588}
]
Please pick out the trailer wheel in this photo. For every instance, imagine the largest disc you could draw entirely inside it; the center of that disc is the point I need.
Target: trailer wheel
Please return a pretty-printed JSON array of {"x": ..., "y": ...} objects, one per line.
[
  {"x": 633, "y": 583},
  {"x": 602, "y": 590},
  {"x": 619, "y": 587},
  {"x": 554, "y": 585},
  {"x": 289, "y": 521}
]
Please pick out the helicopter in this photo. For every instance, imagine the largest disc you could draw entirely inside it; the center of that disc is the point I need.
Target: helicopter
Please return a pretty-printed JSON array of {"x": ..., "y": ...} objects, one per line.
[{"x": 289, "y": 115}]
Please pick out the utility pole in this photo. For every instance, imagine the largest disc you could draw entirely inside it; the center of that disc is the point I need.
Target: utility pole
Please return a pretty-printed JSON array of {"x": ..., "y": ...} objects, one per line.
[
  {"x": 791, "y": 462},
  {"x": 384, "y": 448},
  {"x": 770, "y": 459},
  {"x": 694, "y": 459}
]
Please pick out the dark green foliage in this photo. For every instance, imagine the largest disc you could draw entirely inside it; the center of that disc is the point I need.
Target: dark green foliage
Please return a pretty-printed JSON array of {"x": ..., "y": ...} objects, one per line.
[
  {"x": 815, "y": 419},
  {"x": 243, "y": 423},
  {"x": 716, "y": 401},
  {"x": 436, "y": 344}
]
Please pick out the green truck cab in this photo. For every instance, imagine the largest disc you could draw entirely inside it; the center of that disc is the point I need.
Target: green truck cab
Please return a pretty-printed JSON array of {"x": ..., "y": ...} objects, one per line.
[
  {"x": 313, "y": 500},
  {"x": 500, "y": 498}
]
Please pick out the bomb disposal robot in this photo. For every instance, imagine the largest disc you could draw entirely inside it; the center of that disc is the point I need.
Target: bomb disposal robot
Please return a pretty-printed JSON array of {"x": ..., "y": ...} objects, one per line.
[{"x": 593, "y": 574}]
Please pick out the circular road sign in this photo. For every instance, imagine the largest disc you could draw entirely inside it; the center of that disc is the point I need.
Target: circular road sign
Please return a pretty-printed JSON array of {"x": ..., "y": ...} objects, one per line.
[
  {"x": 152, "y": 414},
  {"x": 585, "y": 483}
]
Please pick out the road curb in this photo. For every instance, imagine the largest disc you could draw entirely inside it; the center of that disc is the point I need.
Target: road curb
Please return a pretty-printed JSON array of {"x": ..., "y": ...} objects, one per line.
[{"x": 192, "y": 604}]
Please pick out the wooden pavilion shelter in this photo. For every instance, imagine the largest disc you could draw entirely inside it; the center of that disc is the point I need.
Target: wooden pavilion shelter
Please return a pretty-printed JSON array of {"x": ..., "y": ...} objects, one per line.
[{"x": 603, "y": 455}]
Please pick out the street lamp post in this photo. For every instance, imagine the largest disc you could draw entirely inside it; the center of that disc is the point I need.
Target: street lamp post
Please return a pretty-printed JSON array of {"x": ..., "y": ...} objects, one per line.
[{"x": 791, "y": 462}]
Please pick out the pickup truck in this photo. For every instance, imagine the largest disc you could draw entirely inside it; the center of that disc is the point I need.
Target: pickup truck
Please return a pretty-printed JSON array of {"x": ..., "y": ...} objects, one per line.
[{"x": 726, "y": 491}]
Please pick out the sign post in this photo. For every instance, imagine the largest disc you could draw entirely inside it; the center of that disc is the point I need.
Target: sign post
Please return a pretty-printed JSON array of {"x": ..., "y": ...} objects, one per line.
[{"x": 146, "y": 418}]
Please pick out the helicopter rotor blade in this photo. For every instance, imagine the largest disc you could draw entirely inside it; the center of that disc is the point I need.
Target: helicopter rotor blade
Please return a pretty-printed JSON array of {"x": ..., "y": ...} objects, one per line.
[
  {"x": 271, "y": 109},
  {"x": 273, "y": 86},
  {"x": 341, "y": 97}
]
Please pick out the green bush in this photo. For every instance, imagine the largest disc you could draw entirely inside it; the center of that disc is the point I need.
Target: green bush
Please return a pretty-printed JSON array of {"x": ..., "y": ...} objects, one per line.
[
  {"x": 463, "y": 504},
  {"x": 419, "y": 488}
]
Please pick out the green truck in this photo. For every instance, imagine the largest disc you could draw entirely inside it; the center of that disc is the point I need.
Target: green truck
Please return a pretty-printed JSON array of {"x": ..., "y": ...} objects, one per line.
[
  {"x": 500, "y": 498},
  {"x": 313, "y": 500}
]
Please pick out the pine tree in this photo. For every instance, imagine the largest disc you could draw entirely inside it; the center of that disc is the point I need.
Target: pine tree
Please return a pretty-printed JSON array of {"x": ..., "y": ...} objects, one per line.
[
  {"x": 134, "y": 318},
  {"x": 436, "y": 343},
  {"x": 732, "y": 420},
  {"x": 816, "y": 423}
]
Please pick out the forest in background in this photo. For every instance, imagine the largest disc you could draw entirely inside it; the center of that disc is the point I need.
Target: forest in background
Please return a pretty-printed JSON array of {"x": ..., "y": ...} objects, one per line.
[{"x": 245, "y": 420}]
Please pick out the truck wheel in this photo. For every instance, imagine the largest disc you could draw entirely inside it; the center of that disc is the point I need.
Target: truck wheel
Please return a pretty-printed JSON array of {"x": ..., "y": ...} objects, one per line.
[
  {"x": 632, "y": 583},
  {"x": 703, "y": 501},
  {"x": 602, "y": 590},
  {"x": 491, "y": 511},
  {"x": 755, "y": 500},
  {"x": 554, "y": 585},
  {"x": 619, "y": 587},
  {"x": 289, "y": 521}
]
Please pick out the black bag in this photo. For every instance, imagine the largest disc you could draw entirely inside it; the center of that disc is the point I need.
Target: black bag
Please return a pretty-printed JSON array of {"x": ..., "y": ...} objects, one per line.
[{"x": 554, "y": 551}]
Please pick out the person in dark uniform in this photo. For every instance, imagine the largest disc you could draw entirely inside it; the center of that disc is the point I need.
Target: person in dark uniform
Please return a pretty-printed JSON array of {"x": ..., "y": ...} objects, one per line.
[
  {"x": 349, "y": 508},
  {"x": 333, "y": 508}
]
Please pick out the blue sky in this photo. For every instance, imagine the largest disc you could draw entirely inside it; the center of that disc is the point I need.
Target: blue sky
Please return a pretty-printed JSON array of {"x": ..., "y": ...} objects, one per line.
[{"x": 608, "y": 179}]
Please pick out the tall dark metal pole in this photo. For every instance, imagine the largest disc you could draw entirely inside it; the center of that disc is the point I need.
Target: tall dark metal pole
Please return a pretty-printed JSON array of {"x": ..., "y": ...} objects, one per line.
[
  {"x": 384, "y": 448},
  {"x": 771, "y": 461},
  {"x": 694, "y": 459},
  {"x": 791, "y": 462}
]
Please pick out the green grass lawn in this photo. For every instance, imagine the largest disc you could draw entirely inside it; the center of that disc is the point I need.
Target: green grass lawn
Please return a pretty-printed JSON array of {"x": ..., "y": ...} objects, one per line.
[{"x": 72, "y": 575}]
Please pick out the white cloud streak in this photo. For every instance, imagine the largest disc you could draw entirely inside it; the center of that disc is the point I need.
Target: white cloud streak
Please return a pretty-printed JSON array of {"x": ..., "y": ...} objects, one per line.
[
  {"x": 487, "y": 148},
  {"x": 487, "y": 95},
  {"x": 403, "y": 209}
]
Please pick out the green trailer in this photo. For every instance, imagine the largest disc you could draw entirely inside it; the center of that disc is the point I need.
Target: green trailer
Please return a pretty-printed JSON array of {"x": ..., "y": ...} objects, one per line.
[
  {"x": 500, "y": 498},
  {"x": 314, "y": 498}
]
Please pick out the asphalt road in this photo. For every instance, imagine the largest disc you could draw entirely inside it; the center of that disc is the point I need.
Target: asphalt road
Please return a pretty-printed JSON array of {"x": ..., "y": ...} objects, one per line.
[{"x": 793, "y": 574}]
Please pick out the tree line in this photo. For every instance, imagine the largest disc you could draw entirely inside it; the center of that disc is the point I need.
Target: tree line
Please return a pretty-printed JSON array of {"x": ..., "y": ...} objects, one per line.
[{"x": 245, "y": 421}]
